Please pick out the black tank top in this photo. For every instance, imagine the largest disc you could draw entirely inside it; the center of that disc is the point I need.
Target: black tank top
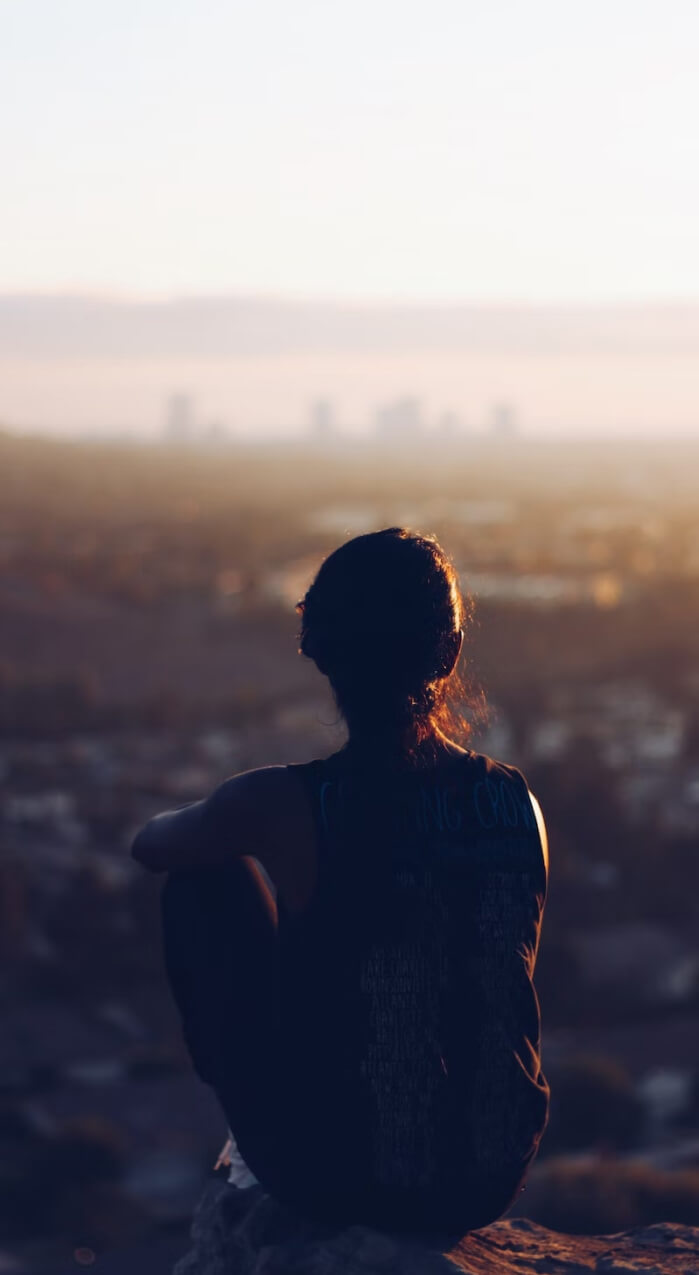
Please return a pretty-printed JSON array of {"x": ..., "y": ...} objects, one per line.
[{"x": 410, "y": 1024}]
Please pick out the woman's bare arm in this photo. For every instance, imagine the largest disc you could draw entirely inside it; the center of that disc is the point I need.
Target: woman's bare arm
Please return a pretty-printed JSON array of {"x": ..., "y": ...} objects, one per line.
[{"x": 230, "y": 822}]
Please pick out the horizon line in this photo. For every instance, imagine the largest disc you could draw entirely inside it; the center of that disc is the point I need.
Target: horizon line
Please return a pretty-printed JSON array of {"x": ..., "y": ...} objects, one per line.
[
  {"x": 145, "y": 297},
  {"x": 298, "y": 434}
]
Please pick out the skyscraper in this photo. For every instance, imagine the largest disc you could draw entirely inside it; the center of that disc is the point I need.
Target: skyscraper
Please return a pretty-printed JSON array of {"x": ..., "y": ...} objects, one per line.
[
  {"x": 179, "y": 420},
  {"x": 503, "y": 421},
  {"x": 399, "y": 420},
  {"x": 322, "y": 422}
]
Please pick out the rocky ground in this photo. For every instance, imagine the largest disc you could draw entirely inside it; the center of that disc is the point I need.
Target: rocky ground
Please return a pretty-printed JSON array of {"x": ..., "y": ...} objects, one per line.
[{"x": 247, "y": 1233}]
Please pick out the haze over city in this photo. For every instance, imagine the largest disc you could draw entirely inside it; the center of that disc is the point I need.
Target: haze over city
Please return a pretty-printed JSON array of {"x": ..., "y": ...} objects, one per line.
[{"x": 256, "y": 366}]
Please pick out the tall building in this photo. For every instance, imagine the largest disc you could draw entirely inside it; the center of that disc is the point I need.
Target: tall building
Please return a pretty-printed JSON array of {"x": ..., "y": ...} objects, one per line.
[
  {"x": 322, "y": 421},
  {"x": 449, "y": 424},
  {"x": 399, "y": 420},
  {"x": 179, "y": 420},
  {"x": 216, "y": 432},
  {"x": 503, "y": 421}
]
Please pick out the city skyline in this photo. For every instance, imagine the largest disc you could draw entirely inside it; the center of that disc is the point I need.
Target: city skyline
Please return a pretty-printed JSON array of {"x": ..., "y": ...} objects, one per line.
[{"x": 88, "y": 364}]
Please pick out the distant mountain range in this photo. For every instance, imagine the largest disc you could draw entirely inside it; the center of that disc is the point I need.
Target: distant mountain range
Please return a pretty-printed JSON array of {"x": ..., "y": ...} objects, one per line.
[{"x": 76, "y": 326}]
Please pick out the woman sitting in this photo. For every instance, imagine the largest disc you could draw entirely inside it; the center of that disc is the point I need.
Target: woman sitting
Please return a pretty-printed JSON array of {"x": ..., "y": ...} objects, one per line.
[{"x": 369, "y": 1023}]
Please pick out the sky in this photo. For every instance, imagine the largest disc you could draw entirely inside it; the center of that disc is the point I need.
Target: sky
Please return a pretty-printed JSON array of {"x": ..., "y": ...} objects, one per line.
[
  {"x": 529, "y": 152},
  {"x": 514, "y": 150}
]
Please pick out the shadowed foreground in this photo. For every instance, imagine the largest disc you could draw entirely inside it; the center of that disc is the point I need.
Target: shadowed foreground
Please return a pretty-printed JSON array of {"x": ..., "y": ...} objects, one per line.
[{"x": 248, "y": 1233}]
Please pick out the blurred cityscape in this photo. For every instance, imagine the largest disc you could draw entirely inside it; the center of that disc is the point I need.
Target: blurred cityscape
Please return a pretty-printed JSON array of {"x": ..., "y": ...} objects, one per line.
[
  {"x": 400, "y": 420},
  {"x": 148, "y": 650}
]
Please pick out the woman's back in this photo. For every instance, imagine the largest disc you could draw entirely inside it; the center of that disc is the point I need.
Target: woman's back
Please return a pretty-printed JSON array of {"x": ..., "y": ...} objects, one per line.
[
  {"x": 409, "y": 1056},
  {"x": 393, "y": 1073}
]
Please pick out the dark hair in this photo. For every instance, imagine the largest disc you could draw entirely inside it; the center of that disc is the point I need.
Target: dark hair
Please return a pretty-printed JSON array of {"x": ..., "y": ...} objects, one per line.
[{"x": 383, "y": 619}]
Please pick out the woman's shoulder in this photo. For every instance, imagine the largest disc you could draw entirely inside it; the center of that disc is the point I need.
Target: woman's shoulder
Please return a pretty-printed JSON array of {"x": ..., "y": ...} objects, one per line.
[
  {"x": 494, "y": 770},
  {"x": 267, "y": 791},
  {"x": 493, "y": 767},
  {"x": 259, "y": 796},
  {"x": 266, "y": 805}
]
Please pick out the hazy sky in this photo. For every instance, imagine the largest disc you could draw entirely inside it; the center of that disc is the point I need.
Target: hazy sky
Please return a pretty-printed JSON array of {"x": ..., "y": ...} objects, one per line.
[{"x": 473, "y": 149}]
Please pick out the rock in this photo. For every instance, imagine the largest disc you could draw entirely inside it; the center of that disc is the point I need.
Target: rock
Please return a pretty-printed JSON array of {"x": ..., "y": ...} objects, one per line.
[{"x": 245, "y": 1232}]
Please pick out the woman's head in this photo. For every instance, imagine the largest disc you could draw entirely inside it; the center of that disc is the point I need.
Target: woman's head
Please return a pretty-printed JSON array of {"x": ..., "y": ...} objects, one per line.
[{"x": 384, "y": 620}]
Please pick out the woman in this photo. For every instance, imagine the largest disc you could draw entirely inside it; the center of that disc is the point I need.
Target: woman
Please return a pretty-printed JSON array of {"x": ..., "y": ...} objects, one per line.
[{"x": 373, "y": 1033}]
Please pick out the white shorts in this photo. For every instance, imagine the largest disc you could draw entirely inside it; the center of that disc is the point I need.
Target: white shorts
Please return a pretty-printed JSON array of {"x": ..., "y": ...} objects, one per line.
[{"x": 238, "y": 1172}]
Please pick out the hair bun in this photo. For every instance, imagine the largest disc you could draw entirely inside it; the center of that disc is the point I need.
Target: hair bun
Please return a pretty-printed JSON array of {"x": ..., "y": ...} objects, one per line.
[{"x": 380, "y": 619}]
